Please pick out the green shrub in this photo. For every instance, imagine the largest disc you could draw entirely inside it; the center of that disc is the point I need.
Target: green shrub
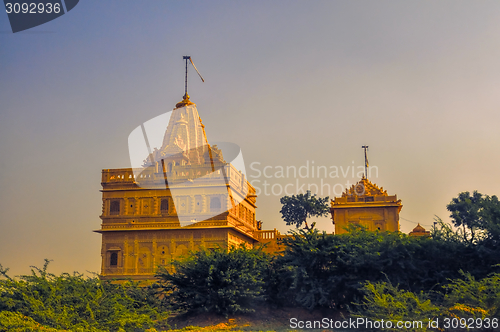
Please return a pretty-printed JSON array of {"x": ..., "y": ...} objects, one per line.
[
  {"x": 217, "y": 281},
  {"x": 16, "y": 322},
  {"x": 304, "y": 275},
  {"x": 326, "y": 270},
  {"x": 74, "y": 302},
  {"x": 471, "y": 298},
  {"x": 465, "y": 298},
  {"x": 384, "y": 301}
]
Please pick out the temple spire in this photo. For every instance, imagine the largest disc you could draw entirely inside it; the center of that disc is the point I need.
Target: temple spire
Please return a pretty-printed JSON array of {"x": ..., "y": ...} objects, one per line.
[{"x": 365, "y": 147}]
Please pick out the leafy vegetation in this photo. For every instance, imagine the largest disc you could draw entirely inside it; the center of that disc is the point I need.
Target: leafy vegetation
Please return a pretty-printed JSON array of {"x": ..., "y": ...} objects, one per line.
[
  {"x": 469, "y": 297},
  {"x": 464, "y": 298},
  {"x": 74, "y": 302},
  {"x": 220, "y": 281},
  {"x": 384, "y": 301},
  {"x": 377, "y": 275},
  {"x": 477, "y": 216},
  {"x": 325, "y": 270},
  {"x": 14, "y": 321}
]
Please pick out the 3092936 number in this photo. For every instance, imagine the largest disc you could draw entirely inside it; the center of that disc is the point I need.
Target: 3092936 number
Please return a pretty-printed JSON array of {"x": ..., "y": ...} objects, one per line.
[
  {"x": 471, "y": 323},
  {"x": 33, "y": 8}
]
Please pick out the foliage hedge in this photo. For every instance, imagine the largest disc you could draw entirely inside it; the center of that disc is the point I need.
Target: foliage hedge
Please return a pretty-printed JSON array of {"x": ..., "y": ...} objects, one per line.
[
  {"x": 325, "y": 270},
  {"x": 220, "y": 281},
  {"x": 379, "y": 275},
  {"x": 341, "y": 271},
  {"x": 465, "y": 298},
  {"x": 77, "y": 303}
]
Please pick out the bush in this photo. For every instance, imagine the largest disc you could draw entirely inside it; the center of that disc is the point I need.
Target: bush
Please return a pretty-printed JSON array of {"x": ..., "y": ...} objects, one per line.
[
  {"x": 465, "y": 299},
  {"x": 218, "y": 281},
  {"x": 471, "y": 298},
  {"x": 384, "y": 301},
  {"x": 78, "y": 303},
  {"x": 15, "y": 322},
  {"x": 325, "y": 270},
  {"x": 304, "y": 275}
]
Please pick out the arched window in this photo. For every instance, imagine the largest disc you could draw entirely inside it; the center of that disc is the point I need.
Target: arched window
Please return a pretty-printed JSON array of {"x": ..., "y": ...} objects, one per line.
[
  {"x": 215, "y": 204},
  {"x": 164, "y": 205},
  {"x": 114, "y": 207},
  {"x": 113, "y": 260}
]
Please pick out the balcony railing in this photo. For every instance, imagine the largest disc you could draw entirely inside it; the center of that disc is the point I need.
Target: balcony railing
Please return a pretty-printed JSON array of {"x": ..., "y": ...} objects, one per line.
[{"x": 266, "y": 236}]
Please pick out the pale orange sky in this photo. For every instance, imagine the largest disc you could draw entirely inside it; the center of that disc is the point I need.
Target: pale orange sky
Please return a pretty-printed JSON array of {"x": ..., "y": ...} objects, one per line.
[{"x": 290, "y": 82}]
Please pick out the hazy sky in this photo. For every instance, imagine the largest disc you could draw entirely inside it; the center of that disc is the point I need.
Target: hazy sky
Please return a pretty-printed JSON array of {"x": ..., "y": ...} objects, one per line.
[{"x": 290, "y": 82}]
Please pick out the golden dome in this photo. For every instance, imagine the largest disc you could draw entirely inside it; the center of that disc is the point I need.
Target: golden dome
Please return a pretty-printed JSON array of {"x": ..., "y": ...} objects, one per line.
[{"x": 419, "y": 229}]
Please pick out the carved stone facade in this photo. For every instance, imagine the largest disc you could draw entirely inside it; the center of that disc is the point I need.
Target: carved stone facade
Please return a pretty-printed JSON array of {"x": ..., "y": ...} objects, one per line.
[
  {"x": 184, "y": 198},
  {"x": 367, "y": 205}
]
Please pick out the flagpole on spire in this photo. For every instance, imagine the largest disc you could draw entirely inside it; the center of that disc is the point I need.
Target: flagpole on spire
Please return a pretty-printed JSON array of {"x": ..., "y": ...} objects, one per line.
[
  {"x": 186, "y": 57},
  {"x": 365, "y": 147},
  {"x": 185, "y": 98}
]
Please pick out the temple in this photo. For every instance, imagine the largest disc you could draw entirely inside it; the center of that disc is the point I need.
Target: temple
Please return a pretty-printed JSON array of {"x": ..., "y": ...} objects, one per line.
[
  {"x": 188, "y": 194},
  {"x": 185, "y": 197},
  {"x": 367, "y": 205}
]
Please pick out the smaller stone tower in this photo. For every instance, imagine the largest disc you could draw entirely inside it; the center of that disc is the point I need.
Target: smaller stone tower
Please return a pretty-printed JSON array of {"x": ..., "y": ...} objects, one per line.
[{"x": 367, "y": 205}]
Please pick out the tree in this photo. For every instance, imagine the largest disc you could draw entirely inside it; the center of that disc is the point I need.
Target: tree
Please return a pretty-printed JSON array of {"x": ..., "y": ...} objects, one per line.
[
  {"x": 296, "y": 209},
  {"x": 466, "y": 213},
  {"x": 490, "y": 222},
  {"x": 478, "y": 215}
]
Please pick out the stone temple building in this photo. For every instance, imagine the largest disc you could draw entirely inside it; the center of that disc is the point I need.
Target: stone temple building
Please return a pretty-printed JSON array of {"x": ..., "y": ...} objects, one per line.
[
  {"x": 367, "y": 205},
  {"x": 185, "y": 197}
]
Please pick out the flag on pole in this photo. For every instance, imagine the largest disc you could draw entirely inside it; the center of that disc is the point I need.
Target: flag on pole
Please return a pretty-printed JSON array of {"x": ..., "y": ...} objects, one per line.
[{"x": 196, "y": 69}]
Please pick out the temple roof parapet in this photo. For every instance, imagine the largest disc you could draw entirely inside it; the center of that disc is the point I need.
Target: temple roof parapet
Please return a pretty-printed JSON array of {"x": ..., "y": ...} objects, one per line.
[
  {"x": 365, "y": 193},
  {"x": 365, "y": 187}
]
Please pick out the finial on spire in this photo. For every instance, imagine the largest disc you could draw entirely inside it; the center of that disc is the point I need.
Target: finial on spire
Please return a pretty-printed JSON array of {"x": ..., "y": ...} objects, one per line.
[{"x": 365, "y": 147}]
